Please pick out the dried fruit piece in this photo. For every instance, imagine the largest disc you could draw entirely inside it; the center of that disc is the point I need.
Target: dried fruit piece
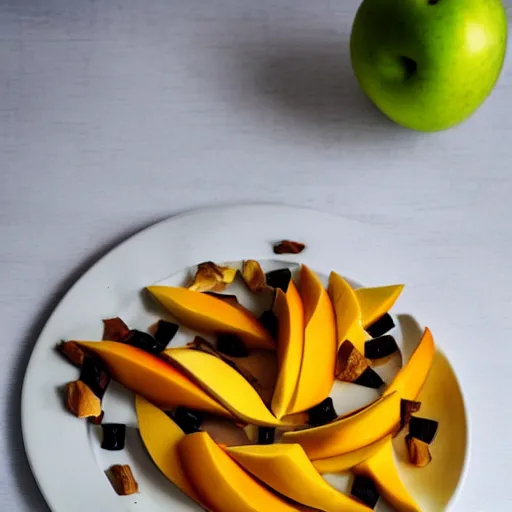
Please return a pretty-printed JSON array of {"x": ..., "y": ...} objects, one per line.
[
  {"x": 165, "y": 332},
  {"x": 114, "y": 435},
  {"x": 365, "y": 490},
  {"x": 266, "y": 435},
  {"x": 188, "y": 420},
  {"x": 253, "y": 276},
  {"x": 370, "y": 379},
  {"x": 72, "y": 352},
  {"x": 123, "y": 481},
  {"x": 381, "y": 326},
  {"x": 94, "y": 374},
  {"x": 419, "y": 452},
  {"x": 383, "y": 346},
  {"x": 289, "y": 247},
  {"x": 231, "y": 345},
  {"x": 212, "y": 277},
  {"x": 144, "y": 341},
  {"x": 279, "y": 278},
  {"x": 81, "y": 400},
  {"x": 269, "y": 320},
  {"x": 322, "y": 413},
  {"x": 423, "y": 429},
  {"x": 114, "y": 329},
  {"x": 407, "y": 409}
]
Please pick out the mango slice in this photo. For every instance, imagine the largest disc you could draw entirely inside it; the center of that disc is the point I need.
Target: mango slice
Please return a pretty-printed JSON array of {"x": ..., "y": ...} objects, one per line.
[
  {"x": 221, "y": 483},
  {"x": 376, "y": 302},
  {"x": 207, "y": 313},
  {"x": 348, "y": 312},
  {"x": 348, "y": 460},
  {"x": 410, "y": 379},
  {"x": 381, "y": 468},
  {"x": 316, "y": 375},
  {"x": 290, "y": 344},
  {"x": 161, "y": 437},
  {"x": 151, "y": 377},
  {"x": 287, "y": 469},
  {"x": 224, "y": 383},
  {"x": 350, "y": 433}
]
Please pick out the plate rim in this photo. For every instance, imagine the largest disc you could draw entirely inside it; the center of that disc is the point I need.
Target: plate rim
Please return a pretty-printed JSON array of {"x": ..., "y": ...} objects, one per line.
[{"x": 248, "y": 214}]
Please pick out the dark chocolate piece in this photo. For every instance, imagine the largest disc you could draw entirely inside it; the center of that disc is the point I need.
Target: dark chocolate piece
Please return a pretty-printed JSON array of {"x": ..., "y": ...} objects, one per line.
[
  {"x": 114, "y": 435},
  {"x": 381, "y": 326},
  {"x": 279, "y": 278},
  {"x": 383, "y": 346}
]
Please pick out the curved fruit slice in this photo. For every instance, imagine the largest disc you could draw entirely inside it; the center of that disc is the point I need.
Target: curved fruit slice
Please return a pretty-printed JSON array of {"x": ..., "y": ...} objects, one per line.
[
  {"x": 348, "y": 313},
  {"x": 382, "y": 470},
  {"x": 410, "y": 379},
  {"x": 161, "y": 437},
  {"x": 376, "y": 302},
  {"x": 290, "y": 344},
  {"x": 316, "y": 375},
  {"x": 350, "y": 433},
  {"x": 207, "y": 313},
  {"x": 221, "y": 483},
  {"x": 151, "y": 377},
  {"x": 287, "y": 469},
  {"x": 346, "y": 461},
  {"x": 224, "y": 383}
]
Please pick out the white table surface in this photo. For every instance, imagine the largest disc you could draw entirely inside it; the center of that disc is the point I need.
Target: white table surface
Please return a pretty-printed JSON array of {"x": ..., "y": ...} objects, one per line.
[{"x": 117, "y": 113}]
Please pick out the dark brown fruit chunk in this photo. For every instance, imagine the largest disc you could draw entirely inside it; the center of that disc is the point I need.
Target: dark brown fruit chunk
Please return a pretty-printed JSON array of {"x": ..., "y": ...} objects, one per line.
[
  {"x": 407, "y": 409},
  {"x": 114, "y": 329},
  {"x": 72, "y": 352},
  {"x": 365, "y": 490},
  {"x": 279, "y": 278},
  {"x": 289, "y": 247},
  {"x": 165, "y": 332},
  {"x": 370, "y": 379},
  {"x": 269, "y": 320},
  {"x": 419, "y": 452},
  {"x": 114, "y": 435},
  {"x": 231, "y": 345},
  {"x": 423, "y": 429},
  {"x": 381, "y": 326},
  {"x": 383, "y": 346},
  {"x": 188, "y": 420},
  {"x": 322, "y": 413},
  {"x": 266, "y": 435},
  {"x": 95, "y": 375},
  {"x": 144, "y": 341}
]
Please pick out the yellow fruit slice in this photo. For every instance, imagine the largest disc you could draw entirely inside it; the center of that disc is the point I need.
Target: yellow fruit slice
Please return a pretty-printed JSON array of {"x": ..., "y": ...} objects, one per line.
[
  {"x": 348, "y": 460},
  {"x": 316, "y": 375},
  {"x": 348, "y": 313},
  {"x": 221, "y": 483},
  {"x": 290, "y": 343},
  {"x": 224, "y": 383},
  {"x": 349, "y": 433},
  {"x": 287, "y": 469},
  {"x": 206, "y": 313},
  {"x": 381, "y": 468},
  {"x": 376, "y": 302},
  {"x": 161, "y": 437},
  {"x": 410, "y": 379},
  {"x": 153, "y": 378}
]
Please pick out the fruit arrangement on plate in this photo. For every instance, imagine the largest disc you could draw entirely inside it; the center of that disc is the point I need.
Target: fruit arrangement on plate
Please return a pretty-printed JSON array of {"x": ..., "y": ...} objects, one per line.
[{"x": 269, "y": 379}]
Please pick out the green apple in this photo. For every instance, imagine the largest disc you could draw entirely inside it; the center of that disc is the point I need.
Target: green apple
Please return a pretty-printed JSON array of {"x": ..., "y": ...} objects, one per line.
[{"x": 428, "y": 64}]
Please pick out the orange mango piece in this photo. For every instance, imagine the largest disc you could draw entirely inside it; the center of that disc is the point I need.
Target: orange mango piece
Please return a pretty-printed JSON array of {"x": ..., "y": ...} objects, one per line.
[
  {"x": 152, "y": 378},
  {"x": 382, "y": 469},
  {"x": 376, "y": 302},
  {"x": 224, "y": 383},
  {"x": 287, "y": 469},
  {"x": 209, "y": 314},
  {"x": 221, "y": 483},
  {"x": 350, "y": 433},
  {"x": 161, "y": 437},
  {"x": 346, "y": 461},
  {"x": 290, "y": 344},
  {"x": 348, "y": 312},
  {"x": 316, "y": 375},
  {"x": 410, "y": 379}
]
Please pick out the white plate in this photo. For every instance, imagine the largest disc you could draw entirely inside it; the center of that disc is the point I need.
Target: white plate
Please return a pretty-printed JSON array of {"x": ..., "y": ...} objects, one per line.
[{"x": 64, "y": 452}]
